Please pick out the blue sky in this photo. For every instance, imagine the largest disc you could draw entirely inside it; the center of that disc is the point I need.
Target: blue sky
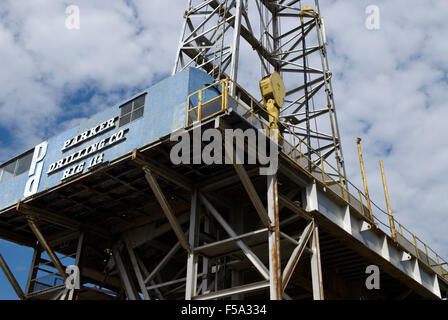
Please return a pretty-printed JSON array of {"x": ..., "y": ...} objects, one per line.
[{"x": 390, "y": 88}]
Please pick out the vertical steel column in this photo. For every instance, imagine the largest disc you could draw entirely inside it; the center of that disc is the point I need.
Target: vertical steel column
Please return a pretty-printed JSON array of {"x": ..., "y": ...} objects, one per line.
[
  {"x": 276, "y": 34},
  {"x": 389, "y": 210},
  {"x": 15, "y": 285},
  {"x": 236, "y": 219},
  {"x": 137, "y": 271},
  {"x": 129, "y": 287},
  {"x": 146, "y": 274},
  {"x": 364, "y": 179},
  {"x": 275, "y": 276},
  {"x": 205, "y": 262},
  {"x": 33, "y": 270},
  {"x": 236, "y": 45},
  {"x": 312, "y": 202},
  {"x": 80, "y": 249},
  {"x": 192, "y": 262},
  {"x": 305, "y": 87},
  {"x": 316, "y": 267},
  {"x": 182, "y": 34},
  {"x": 329, "y": 91}
]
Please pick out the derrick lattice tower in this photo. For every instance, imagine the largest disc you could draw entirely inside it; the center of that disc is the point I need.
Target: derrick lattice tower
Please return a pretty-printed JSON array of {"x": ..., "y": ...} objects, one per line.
[{"x": 229, "y": 38}]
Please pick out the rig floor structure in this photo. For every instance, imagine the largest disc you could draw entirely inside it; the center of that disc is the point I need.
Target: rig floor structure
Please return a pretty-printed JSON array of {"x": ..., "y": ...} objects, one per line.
[{"x": 106, "y": 196}]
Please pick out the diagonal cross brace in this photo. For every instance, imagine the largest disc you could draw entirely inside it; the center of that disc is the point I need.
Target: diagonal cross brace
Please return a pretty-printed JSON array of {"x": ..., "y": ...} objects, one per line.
[
  {"x": 56, "y": 262},
  {"x": 131, "y": 291},
  {"x": 291, "y": 205},
  {"x": 137, "y": 271},
  {"x": 242, "y": 174},
  {"x": 161, "y": 170},
  {"x": 246, "y": 250},
  {"x": 169, "y": 213},
  {"x": 163, "y": 262},
  {"x": 296, "y": 254},
  {"x": 253, "y": 195}
]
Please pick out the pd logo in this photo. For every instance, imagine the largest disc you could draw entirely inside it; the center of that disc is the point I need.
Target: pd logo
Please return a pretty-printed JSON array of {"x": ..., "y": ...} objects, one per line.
[{"x": 37, "y": 165}]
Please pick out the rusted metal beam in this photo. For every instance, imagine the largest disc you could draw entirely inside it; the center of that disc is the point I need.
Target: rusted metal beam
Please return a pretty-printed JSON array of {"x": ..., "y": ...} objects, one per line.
[
  {"x": 296, "y": 254},
  {"x": 316, "y": 268},
  {"x": 47, "y": 216},
  {"x": 17, "y": 238},
  {"x": 161, "y": 170},
  {"x": 58, "y": 220},
  {"x": 57, "y": 263},
  {"x": 275, "y": 273}
]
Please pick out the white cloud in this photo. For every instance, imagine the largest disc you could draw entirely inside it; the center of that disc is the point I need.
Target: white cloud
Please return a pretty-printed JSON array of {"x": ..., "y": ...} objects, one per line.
[
  {"x": 394, "y": 80},
  {"x": 119, "y": 50}
]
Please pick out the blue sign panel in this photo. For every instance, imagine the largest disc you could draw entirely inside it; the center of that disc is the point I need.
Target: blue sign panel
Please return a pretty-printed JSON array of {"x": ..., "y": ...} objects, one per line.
[{"x": 133, "y": 123}]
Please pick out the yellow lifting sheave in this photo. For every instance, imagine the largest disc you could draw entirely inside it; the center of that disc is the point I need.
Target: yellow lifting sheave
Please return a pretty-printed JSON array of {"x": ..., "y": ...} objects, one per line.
[
  {"x": 272, "y": 87},
  {"x": 273, "y": 92}
]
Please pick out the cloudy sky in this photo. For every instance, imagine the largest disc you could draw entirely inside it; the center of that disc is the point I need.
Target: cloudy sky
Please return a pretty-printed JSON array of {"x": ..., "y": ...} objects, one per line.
[{"x": 390, "y": 87}]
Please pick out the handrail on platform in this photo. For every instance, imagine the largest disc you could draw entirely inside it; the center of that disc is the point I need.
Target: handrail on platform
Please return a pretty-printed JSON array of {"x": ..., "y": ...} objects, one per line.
[{"x": 215, "y": 99}]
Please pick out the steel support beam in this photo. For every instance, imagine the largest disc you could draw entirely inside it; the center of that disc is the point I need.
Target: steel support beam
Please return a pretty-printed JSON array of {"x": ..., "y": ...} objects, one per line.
[
  {"x": 241, "y": 171},
  {"x": 126, "y": 279},
  {"x": 234, "y": 291},
  {"x": 146, "y": 233},
  {"x": 80, "y": 249},
  {"x": 166, "y": 207},
  {"x": 137, "y": 270},
  {"x": 192, "y": 261},
  {"x": 294, "y": 207},
  {"x": 296, "y": 254},
  {"x": 205, "y": 261},
  {"x": 253, "y": 195},
  {"x": 244, "y": 177},
  {"x": 316, "y": 268},
  {"x": 163, "y": 262},
  {"x": 58, "y": 220},
  {"x": 236, "y": 46},
  {"x": 161, "y": 170},
  {"x": 33, "y": 270},
  {"x": 311, "y": 197},
  {"x": 247, "y": 251},
  {"x": 146, "y": 274},
  {"x": 275, "y": 275},
  {"x": 56, "y": 262}
]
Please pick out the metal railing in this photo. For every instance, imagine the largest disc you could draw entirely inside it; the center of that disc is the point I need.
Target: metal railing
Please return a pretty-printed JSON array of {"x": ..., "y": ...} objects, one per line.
[{"x": 215, "y": 99}]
